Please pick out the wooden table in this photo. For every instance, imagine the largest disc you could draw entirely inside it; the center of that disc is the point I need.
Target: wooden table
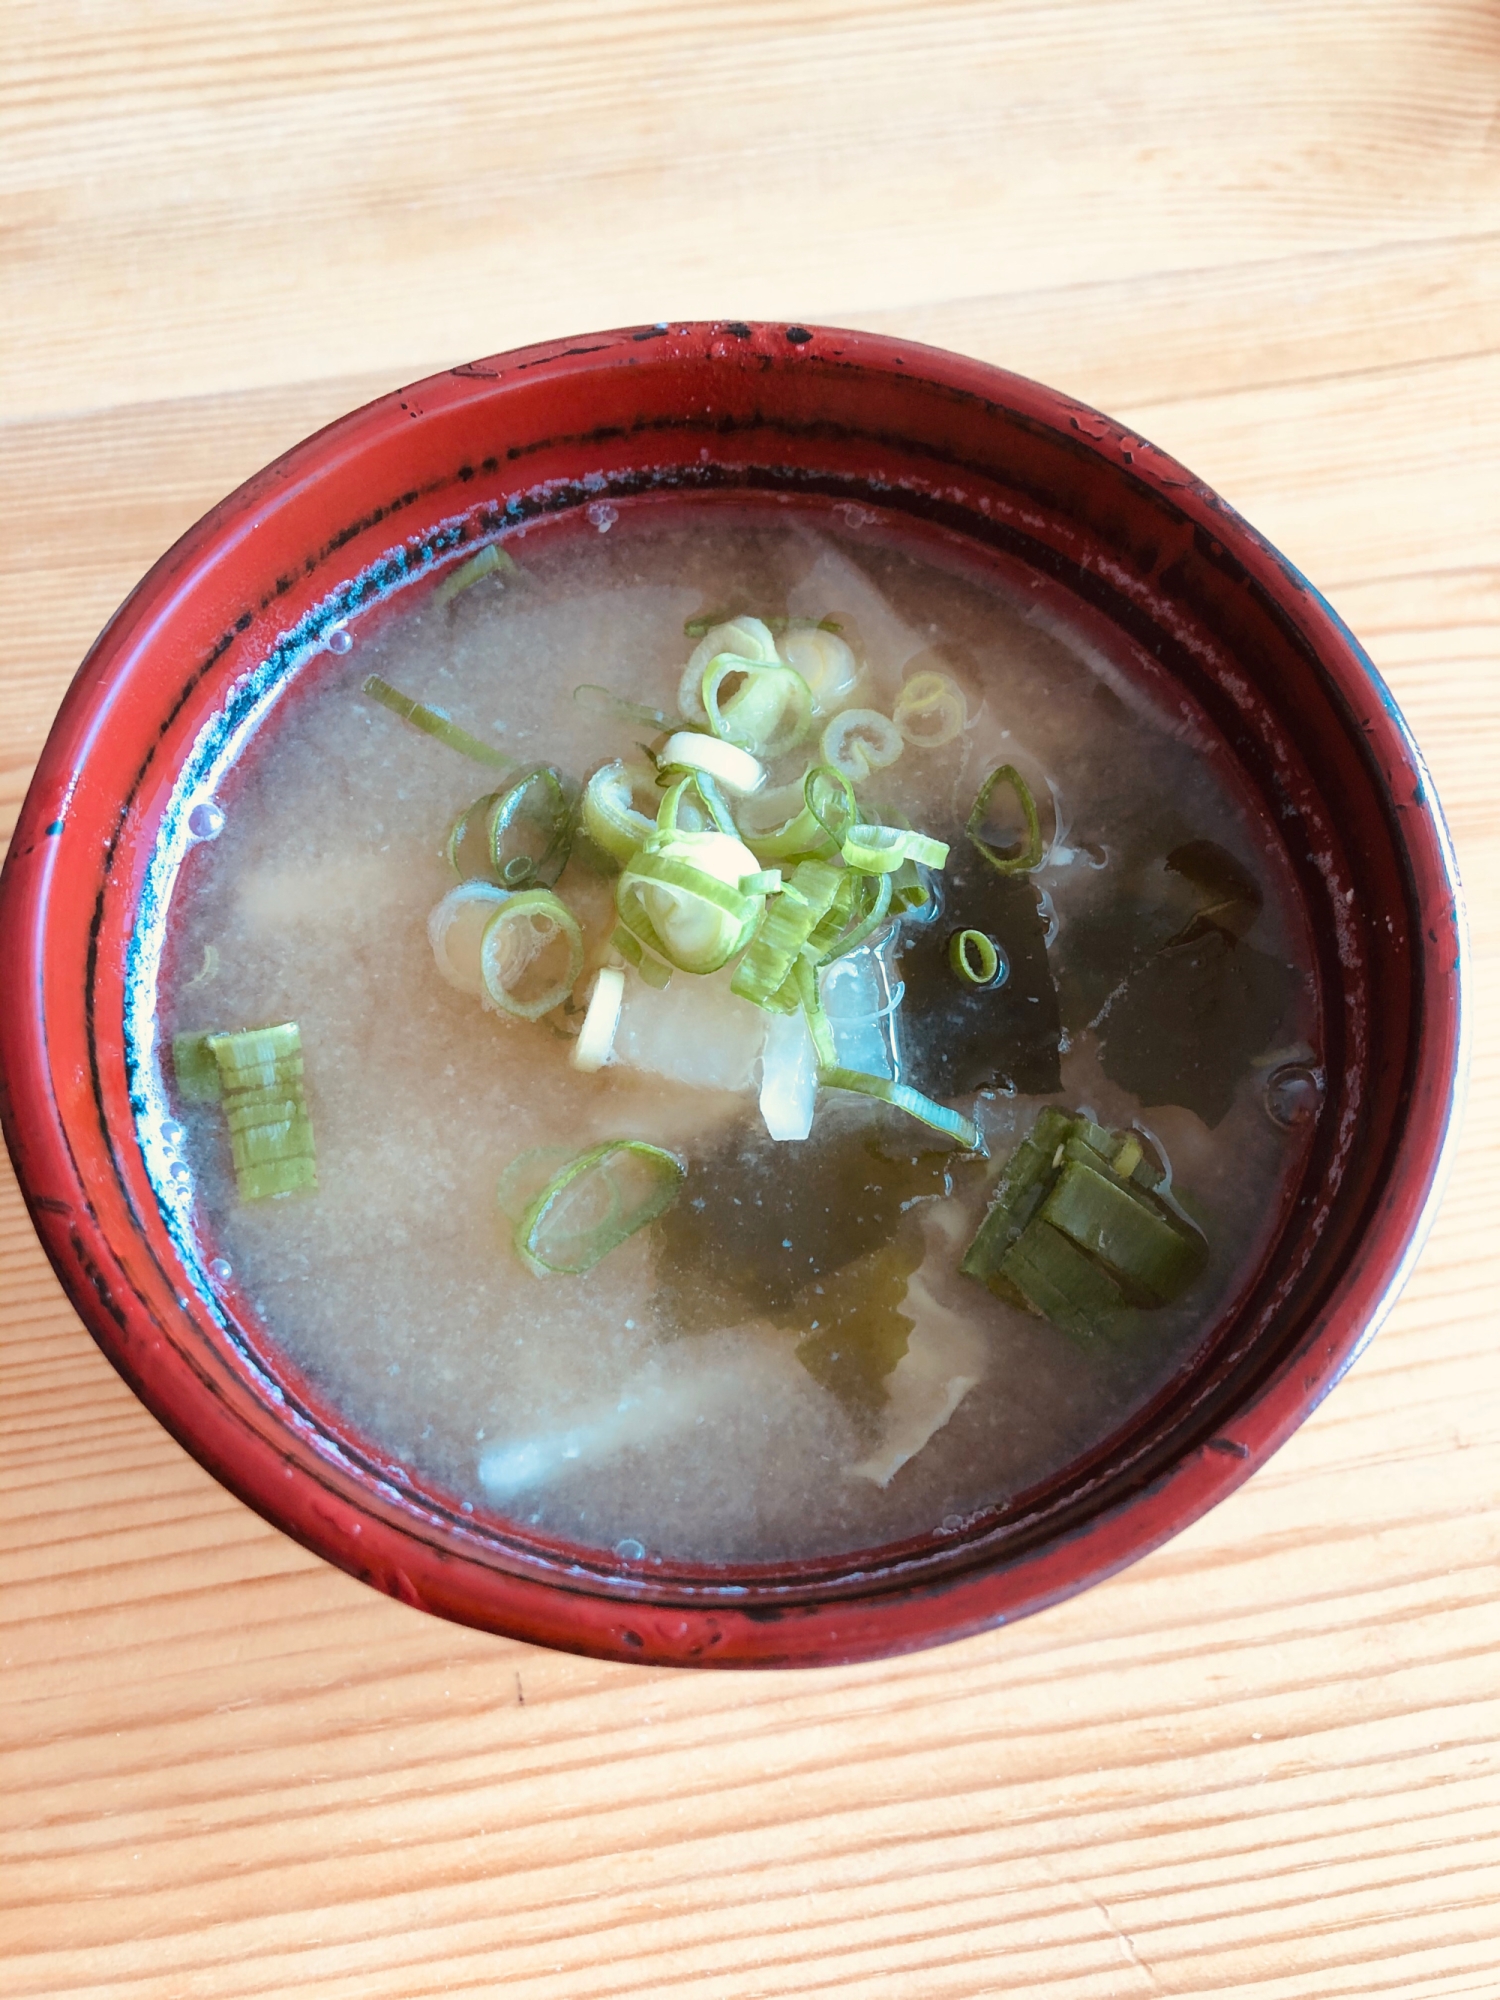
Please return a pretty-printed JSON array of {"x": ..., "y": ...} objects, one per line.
[{"x": 1261, "y": 1764}]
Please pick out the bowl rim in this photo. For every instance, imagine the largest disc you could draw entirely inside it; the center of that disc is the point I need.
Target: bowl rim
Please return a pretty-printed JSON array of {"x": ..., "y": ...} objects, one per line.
[{"x": 895, "y": 1615}]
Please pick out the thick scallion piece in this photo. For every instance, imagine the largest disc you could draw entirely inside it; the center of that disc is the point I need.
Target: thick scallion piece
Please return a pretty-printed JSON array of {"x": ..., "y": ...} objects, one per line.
[
  {"x": 939, "y": 1116},
  {"x": 432, "y": 722},
  {"x": 682, "y": 900},
  {"x": 727, "y": 763},
  {"x": 490, "y": 561},
  {"x": 973, "y": 956},
  {"x": 270, "y": 1132},
  {"x": 596, "y": 1038},
  {"x": 788, "y": 923},
  {"x": 769, "y": 711},
  {"x": 527, "y": 928},
  {"x": 609, "y": 818},
  {"x": 1078, "y": 1228},
  {"x": 930, "y": 711},
  {"x": 196, "y": 1071},
  {"x": 880, "y": 850},
  {"x": 861, "y": 741},
  {"x": 1028, "y": 854},
  {"x": 529, "y": 829},
  {"x": 594, "y": 1203}
]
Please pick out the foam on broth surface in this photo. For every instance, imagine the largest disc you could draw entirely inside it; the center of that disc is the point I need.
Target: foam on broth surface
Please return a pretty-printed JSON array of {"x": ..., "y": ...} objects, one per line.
[{"x": 656, "y": 1403}]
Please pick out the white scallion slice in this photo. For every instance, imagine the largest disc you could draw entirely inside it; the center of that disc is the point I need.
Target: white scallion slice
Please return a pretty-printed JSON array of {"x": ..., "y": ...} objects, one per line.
[
  {"x": 456, "y": 928},
  {"x": 861, "y": 741},
  {"x": 825, "y": 662},
  {"x": 930, "y": 710},
  {"x": 594, "y": 1203},
  {"x": 939, "y": 1116},
  {"x": 681, "y": 898},
  {"x": 529, "y": 928},
  {"x": 727, "y": 763},
  {"x": 749, "y": 638},
  {"x": 609, "y": 817},
  {"x": 596, "y": 1038}
]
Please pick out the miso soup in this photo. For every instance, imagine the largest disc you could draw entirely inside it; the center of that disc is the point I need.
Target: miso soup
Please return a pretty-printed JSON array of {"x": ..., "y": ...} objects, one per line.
[{"x": 779, "y": 1045}]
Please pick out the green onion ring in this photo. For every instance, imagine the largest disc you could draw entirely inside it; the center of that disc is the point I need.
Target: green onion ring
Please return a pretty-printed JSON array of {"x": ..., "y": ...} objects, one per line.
[
  {"x": 548, "y": 1250},
  {"x": 527, "y": 908},
  {"x": 1030, "y": 853},
  {"x": 974, "y": 958}
]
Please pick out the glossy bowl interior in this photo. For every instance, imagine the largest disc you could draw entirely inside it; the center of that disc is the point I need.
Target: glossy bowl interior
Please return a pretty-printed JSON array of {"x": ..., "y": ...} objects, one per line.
[{"x": 1125, "y": 538}]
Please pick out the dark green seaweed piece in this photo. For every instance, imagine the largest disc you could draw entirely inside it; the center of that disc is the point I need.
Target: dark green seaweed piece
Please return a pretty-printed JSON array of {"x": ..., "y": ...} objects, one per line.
[
  {"x": 1187, "y": 1023},
  {"x": 1162, "y": 971},
  {"x": 819, "y": 1238},
  {"x": 1077, "y": 1232},
  {"x": 960, "y": 1038}
]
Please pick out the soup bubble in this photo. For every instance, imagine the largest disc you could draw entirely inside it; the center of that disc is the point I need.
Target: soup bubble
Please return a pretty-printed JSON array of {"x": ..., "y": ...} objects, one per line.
[
  {"x": 340, "y": 639},
  {"x": 1294, "y": 1095},
  {"x": 205, "y": 821}
]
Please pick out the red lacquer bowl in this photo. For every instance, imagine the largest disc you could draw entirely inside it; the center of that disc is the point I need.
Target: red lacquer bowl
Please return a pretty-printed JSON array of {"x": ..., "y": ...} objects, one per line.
[{"x": 1125, "y": 536}]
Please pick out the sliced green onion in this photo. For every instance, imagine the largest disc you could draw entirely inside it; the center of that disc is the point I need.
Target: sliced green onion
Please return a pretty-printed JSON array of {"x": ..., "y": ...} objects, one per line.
[
  {"x": 609, "y": 818},
  {"x": 594, "y": 1203},
  {"x": 433, "y": 722},
  {"x": 468, "y": 845},
  {"x": 861, "y": 741},
  {"x": 829, "y": 797},
  {"x": 1077, "y": 1231},
  {"x": 270, "y": 1132},
  {"x": 770, "y": 711},
  {"x": 789, "y": 921},
  {"x": 869, "y": 906},
  {"x": 909, "y": 890},
  {"x": 195, "y": 1069},
  {"x": 904, "y": 1098},
  {"x": 525, "y": 1177},
  {"x": 764, "y": 882},
  {"x": 529, "y": 829},
  {"x": 824, "y": 661},
  {"x": 654, "y": 971},
  {"x": 601, "y": 701},
  {"x": 805, "y": 980},
  {"x": 733, "y": 767},
  {"x": 525, "y": 926},
  {"x": 488, "y": 562},
  {"x": 880, "y": 850},
  {"x": 974, "y": 958},
  {"x": 749, "y": 638},
  {"x": 930, "y": 711},
  {"x": 456, "y": 928},
  {"x": 681, "y": 898},
  {"x": 596, "y": 1038},
  {"x": 1029, "y": 853}
]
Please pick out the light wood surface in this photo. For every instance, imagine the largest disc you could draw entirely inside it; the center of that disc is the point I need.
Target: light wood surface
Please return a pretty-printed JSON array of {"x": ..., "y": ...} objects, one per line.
[{"x": 1264, "y": 1763}]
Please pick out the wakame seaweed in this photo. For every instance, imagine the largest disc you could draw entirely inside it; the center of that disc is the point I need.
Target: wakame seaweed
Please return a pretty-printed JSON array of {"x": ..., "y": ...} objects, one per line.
[
  {"x": 968, "y": 1038},
  {"x": 1164, "y": 975}
]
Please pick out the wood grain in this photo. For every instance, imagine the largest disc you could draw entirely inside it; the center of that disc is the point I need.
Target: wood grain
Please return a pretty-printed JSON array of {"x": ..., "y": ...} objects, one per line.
[{"x": 1265, "y": 1762}]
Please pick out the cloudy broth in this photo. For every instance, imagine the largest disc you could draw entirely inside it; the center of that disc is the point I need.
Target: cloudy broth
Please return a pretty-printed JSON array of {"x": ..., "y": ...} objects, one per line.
[{"x": 789, "y": 1360}]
